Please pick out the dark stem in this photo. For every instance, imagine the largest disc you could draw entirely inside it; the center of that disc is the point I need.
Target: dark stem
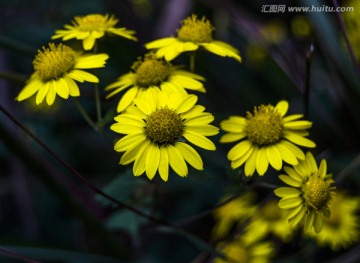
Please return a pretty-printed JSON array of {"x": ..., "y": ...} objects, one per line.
[
  {"x": 348, "y": 44},
  {"x": 17, "y": 256},
  {"x": 306, "y": 94}
]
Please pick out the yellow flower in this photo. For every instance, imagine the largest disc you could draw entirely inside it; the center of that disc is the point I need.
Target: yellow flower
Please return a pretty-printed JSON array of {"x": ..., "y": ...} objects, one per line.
[
  {"x": 91, "y": 27},
  {"x": 193, "y": 34},
  {"x": 309, "y": 195},
  {"x": 56, "y": 69},
  {"x": 239, "y": 251},
  {"x": 341, "y": 229},
  {"x": 268, "y": 219},
  {"x": 267, "y": 137},
  {"x": 233, "y": 212},
  {"x": 150, "y": 72},
  {"x": 158, "y": 128}
]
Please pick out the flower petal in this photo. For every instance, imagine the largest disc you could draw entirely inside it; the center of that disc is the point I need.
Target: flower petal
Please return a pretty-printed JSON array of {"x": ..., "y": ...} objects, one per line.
[
  {"x": 164, "y": 164},
  {"x": 199, "y": 140},
  {"x": 152, "y": 161},
  {"x": 282, "y": 107},
  {"x": 190, "y": 155},
  {"x": 176, "y": 161},
  {"x": 274, "y": 157},
  {"x": 262, "y": 162}
]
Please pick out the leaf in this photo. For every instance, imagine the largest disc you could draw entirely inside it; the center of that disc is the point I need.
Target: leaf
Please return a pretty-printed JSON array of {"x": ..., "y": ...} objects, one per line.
[{"x": 125, "y": 220}]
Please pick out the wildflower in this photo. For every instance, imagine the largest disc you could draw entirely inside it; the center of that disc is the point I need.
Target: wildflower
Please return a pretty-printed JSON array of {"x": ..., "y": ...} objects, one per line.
[
  {"x": 309, "y": 193},
  {"x": 267, "y": 138},
  {"x": 239, "y": 251},
  {"x": 158, "y": 129},
  {"x": 194, "y": 34},
  {"x": 234, "y": 212},
  {"x": 268, "y": 219},
  {"x": 91, "y": 27},
  {"x": 56, "y": 69},
  {"x": 150, "y": 72},
  {"x": 341, "y": 229}
]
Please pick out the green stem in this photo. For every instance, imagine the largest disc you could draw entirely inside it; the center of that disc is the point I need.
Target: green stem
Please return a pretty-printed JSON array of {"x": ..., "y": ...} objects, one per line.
[
  {"x": 192, "y": 61},
  {"x": 98, "y": 108},
  {"x": 13, "y": 77},
  {"x": 84, "y": 114}
]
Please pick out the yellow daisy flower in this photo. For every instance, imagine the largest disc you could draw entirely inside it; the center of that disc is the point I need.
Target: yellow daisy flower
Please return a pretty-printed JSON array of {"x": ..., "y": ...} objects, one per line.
[
  {"x": 56, "y": 69},
  {"x": 267, "y": 137},
  {"x": 234, "y": 212},
  {"x": 268, "y": 219},
  {"x": 309, "y": 193},
  {"x": 158, "y": 130},
  {"x": 91, "y": 27},
  {"x": 239, "y": 251},
  {"x": 152, "y": 72},
  {"x": 341, "y": 229},
  {"x": 194, "y": 34}
]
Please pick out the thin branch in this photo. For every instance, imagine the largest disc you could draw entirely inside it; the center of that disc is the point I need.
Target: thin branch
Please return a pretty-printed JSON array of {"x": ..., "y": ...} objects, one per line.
[
  {"x": 77, "y": 174},
  {"x": 348, "y": 44},
  {"x": 306, "y": 94},
  {"x": 17, "y": 256}
]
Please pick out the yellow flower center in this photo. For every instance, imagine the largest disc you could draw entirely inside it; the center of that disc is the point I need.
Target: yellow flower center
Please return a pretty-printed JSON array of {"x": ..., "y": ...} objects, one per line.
[
  {"x": 271, "y": 211},
  {"x": 151, "y": 71},
  {"x": 195, "y": 30},
  {"x": 54, "y": 62},
  {"x": 164, "y": 127},
  {"x": 265, "y": 126},
  {"x": 317, "y": 191},
  {"x": 95, "y": 22}
]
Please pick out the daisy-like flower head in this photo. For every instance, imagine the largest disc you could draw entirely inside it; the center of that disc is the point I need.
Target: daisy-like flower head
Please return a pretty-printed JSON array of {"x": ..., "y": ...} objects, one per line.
[
  {"x": 91, "y": 27},
  {"x": 341, "y": 229},
  {"x": 55, "y": 70},
  {"x": 239, "y": 251},
  {"x": 234, "y": 212},
  {"x": 151, "y": 72},
  {"x": 194, "y": 34},
  {"x": 158, "y": 129},
  {"x": 267, "y": 137},
  {"x": 309, "y": 194},
  {"x": 268, "y": 219}
]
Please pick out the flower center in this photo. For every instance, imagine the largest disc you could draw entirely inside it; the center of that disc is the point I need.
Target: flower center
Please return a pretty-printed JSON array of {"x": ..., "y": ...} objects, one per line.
[
  {"x": 264, "y": 126},
  {"x": 195, "y": 30},
  {"x": 54, "y": 62},
  {"x": 317, "y": 191},
  {"x": 271, "y": 211},
  {"x": 95, "y": 22},
  {"x": 164, "y": 127},
  {"x": 151, "y": 71}
]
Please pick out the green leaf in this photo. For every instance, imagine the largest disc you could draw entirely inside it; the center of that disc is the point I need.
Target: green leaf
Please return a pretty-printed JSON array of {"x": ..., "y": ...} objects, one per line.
[{"x": 125, "y": 220}]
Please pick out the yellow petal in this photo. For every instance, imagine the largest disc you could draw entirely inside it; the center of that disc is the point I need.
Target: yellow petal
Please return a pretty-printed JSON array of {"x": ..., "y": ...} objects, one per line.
[
  {"x": 262, "y": 161},
  {"x": 128, "y": 142},
  {"x": 160, "y": 42},
  {"x": 299, "y": 140},
  {"x": 290, "y": 181},
  {"x": 127, "y": 99},
  {"x": 282, "y": 107},
  {"x": 293, "y": 174},
  {"x": 140, "y": 160},
  {"x": 152, "y": 161},
  {"x": 238, "y": 162},
  {"x": 294, "y": 149},
  {"x": 187, "y": 103},
  {"x": 88, "y": 42},
  {"x": 199, "y": 140},
  {"x": 309, "y": 222},
  {"x": 176, "y": 161},
  {"x": 30, "y": 89},
  {"x": 73, "y": 88},
  {"x": 42, "y": 93},
  {"x": 164, "y": 164},
  {"x": 239, "y": 150},
  {"x": 288, "y": 192},
  {"x": 190, "y": 155},
  {"x": 206, "y": 130},
  {"x": 318, "y": 222},
  {"x": 274, "y": 157},
  {"x": 130, "y": 155},
  {"x": 322, "y": 168},
  {"x": 286, "y": 154},
  {"x": 289, "y": 203},
  {"x": 310, "y": 160},
  {"x": 251, "y": 162},
  {"x": 91, "y": 61},
  {"x": 50, "y": 97},
  {"x": 298, "y": 125},
  {"x": 294, "y": 221},
  {"x": 232, "y": 137}
]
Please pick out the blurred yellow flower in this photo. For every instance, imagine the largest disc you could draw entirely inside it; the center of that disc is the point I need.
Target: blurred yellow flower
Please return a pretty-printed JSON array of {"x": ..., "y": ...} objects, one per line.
[
  {"x": 341, "y": 229},
  {"x": 352, "y": 24},
  {"x": 239, "y": 251},
  {"x": 91, "y": 27},
  {"x": 268, "y": 219},
  {"x": 233, "y": 212},
  {"x": 158, "y": 130},
  {"x": 308, "y": 197},
  {"x": 194, "y": 34},
  {"x": 268, "y": 137},
  {"x": 152, "y": 72},
  {"x": 56, "y": 69}
]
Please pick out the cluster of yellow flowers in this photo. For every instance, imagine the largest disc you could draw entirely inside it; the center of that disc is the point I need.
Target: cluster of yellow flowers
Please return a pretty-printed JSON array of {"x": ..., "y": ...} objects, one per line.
[{"x": 159, "y": 119}]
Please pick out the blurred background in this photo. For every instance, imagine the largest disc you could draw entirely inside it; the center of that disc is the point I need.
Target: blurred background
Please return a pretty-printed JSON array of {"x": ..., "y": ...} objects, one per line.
[{"x": 48, "y": 214}]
